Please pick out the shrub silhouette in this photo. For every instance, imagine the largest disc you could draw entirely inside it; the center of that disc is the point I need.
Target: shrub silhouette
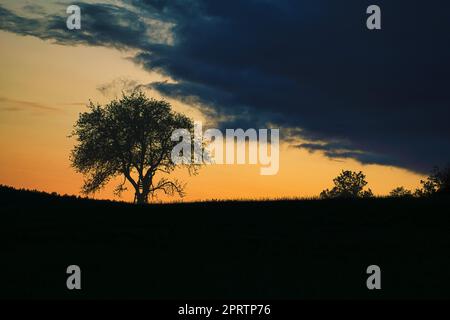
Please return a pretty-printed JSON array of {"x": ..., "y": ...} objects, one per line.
[
  {"x": 348, "y": 184},
  {"x": 437, "y": 183},
  {"x": 130, "y": 137},
  {"x": 400, "y": 192}
]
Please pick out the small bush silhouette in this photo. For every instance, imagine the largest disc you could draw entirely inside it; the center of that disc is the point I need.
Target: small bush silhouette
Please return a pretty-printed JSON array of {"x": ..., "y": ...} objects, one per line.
[
  {"x": 400, "y": 192},
  {"x": 437, "y": 183},
  {"x": 348, "y": 184}
]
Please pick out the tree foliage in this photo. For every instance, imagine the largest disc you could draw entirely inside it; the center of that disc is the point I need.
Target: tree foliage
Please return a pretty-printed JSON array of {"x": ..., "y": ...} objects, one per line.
[
  {"x": 348, "y": 184},
  {"x": 129, "y": 137},
  {"x": 437, "y": 183},
  {"x": 400, "y": 192}
]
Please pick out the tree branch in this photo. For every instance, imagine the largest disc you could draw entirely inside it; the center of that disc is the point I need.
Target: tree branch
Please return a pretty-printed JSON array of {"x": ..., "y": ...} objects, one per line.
[{"x": 169, "y": 187}]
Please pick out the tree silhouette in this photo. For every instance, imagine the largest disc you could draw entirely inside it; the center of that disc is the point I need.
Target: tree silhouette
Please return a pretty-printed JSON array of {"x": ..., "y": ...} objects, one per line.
[
  {"x": 400, "y": 192},
  {"x": 348, "y": 184},
  {"x": 437, "y": 183},
  {"x": 129, "y": 137}
]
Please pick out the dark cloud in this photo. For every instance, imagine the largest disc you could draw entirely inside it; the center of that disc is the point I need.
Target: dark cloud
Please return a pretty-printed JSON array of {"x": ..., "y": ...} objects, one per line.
[
  {"x": 343, "y": 150},
  {"x": 102, "y": 25},
  {"x": 34, "y": 9},
  {"x": 376, "y": 96}
]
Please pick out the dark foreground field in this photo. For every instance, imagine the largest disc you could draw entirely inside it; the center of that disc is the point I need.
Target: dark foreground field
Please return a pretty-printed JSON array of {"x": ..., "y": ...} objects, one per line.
[{"x": 285, "y": 249}]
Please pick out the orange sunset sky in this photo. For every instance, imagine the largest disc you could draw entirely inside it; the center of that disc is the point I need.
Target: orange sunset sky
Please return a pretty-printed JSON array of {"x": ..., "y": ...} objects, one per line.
[{"x": 44, "y": 86}]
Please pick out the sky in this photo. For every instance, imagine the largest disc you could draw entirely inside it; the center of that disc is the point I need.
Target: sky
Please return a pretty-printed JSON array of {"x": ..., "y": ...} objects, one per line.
[{"x": 344, "y": 97}]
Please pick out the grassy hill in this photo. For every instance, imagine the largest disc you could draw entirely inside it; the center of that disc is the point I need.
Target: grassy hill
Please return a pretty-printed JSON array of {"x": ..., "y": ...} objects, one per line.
[{"x": 272, "y": 249}]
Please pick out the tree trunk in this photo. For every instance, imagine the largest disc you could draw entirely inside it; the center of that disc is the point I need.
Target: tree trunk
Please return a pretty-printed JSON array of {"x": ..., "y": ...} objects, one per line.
[{"x": 142, "y": 197}]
